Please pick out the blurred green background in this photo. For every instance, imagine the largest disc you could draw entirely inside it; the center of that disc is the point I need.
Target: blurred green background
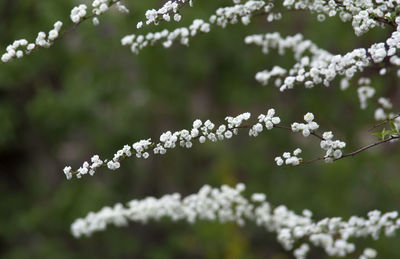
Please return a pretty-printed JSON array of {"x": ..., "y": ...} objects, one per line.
[{"x": 89, "y": 95}]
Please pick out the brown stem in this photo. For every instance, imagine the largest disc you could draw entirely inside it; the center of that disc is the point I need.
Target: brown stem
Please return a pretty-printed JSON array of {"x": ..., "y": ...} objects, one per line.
[
  {"x": 290, "y": 129},
  {"x": 352, "y": 153},
  {"x": 383, "y": 122},
  {"x": 368, "y": 147}
]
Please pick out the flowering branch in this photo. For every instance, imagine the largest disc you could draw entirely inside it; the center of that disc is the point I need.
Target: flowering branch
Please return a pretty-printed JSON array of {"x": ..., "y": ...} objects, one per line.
[
  {"x": 376, "y": 18},
  {"x": 391, "y": 138},
  {"x": 78, "y": 16},
  {"x": 226, "y": 204},
  {"x": 370, "y": 146},
  {"x": 208, "y": 131}
]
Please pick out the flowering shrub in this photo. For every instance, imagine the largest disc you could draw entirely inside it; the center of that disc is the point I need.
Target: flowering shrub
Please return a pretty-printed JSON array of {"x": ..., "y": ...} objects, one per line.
[{"x": 313, "y": 67}]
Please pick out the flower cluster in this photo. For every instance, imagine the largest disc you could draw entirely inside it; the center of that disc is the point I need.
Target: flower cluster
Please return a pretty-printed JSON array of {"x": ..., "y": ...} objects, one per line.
[
  {"x": 101, "y": 6},
  {"x": 264, "y": 120},
  {"x": 333, "y": 148},
  {"x": 221, "y": 18},
  {"x": 234, "y": 14},
  {"x": 22, "y": 46},
  {"x": 364, "y": 15},
  {"x": 170, "y": 8},
  {"x": 315, "y": 65},
  {"x": 227, "y": 204},
  {"x": 141, "y": 41},
  {"x": 290, "y": 159},
  {"x": 306, "y": 129},
  {"x": 79, "y": 12},
  {"x": 201, "y": 131},
  {"x": 87, "y": 168}
]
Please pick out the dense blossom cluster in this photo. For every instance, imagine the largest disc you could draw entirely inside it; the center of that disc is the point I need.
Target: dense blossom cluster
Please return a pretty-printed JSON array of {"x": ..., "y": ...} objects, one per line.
[
  {"x": 315, "y": 65},
  {"x": 227, "y": 204},
  {"x": 298, "y": 74},
  {"x": 364, "y": 15}
]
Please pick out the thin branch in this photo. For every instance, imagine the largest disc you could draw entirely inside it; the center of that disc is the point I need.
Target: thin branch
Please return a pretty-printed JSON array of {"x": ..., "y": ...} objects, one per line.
[
  {"x": 354, "y": 152},
  {"x": 290, "y": 129},
  {"x": 383, "y": 122},
  {"x": 73, "y": 27},
  {"x": 312, "y": 161},
  {"x": 368, "y": 147}
]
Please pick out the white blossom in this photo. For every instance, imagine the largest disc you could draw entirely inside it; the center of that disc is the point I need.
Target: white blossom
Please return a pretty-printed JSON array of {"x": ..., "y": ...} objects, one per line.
[
  {"x": 290, "y": 159},
  {"x": 227, "y": 204},
  {"x": 306, "y": 129},
  {"x": 202, "y": 131}
]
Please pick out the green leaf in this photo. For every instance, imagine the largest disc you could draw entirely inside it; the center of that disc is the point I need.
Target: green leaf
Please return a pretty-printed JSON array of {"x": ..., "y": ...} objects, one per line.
[
  {"x": 378, "y": 134},
  {"x": 392, "y": 124}
]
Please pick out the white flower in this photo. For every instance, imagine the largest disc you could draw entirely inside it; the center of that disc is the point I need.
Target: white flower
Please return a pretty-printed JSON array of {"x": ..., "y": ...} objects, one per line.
[
  {"x": 95, "y": 21},
  {"x": 67, "y": 172},
  {"x": 279, "y": 161},
  {"x": 327, "y": 135},
  {"x": 202, "y": 139},
  {"x": 309, "y": 117},
  {"x": 297, "y": 152},
  {"x": 337, "y": 154},
  {"x": 177, "y": 17}
]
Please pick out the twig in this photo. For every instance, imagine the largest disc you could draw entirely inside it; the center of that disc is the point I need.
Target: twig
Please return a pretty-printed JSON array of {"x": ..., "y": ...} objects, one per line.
[
  {"x": 368, "y": 147},
  {"x": 354, "y": 152},
  {"x": 73, "y": 27},
  {"x": 383, "y": 122}
]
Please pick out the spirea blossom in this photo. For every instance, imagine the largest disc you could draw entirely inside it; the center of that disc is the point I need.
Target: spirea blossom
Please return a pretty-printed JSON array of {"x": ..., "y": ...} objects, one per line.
[
  {"x": 222, "y": 17},
  {"x": 227, "y": 204},
  {"x": 332, "y": 147},
  {"x": 22, "y": 47},
  {"x": 289, "y": 158},
  {"x": 77, "y": 15},
  {"x": 306, "y": 129},
  {"x": 201, "y": 131},
  {"x": 168, "y": 10}
]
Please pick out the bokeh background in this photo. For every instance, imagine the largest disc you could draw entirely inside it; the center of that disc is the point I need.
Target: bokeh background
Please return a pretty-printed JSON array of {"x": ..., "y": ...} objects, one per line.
[{"x": 89, "y": 95}]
